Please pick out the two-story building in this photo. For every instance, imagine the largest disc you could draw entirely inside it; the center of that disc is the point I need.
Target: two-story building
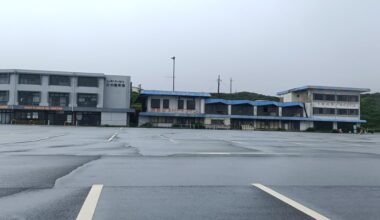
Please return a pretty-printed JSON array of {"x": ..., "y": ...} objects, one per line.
[
  {"x": 168, "y": 108},
  {"x": 63, "y": 98},
  {"x": 322, "y": 108}
]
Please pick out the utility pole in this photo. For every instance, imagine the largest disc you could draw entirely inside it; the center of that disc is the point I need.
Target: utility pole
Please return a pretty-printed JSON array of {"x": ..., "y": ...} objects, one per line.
[
  {"x": 230, "y": 85},
  {"x": 173, "y": 58},
  {"x": 219, "y": 80}
]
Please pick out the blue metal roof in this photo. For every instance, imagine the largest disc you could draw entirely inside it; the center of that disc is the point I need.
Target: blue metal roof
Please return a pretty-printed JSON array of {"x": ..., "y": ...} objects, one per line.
[
  {"x": 291, "y": 104},
  {"x": 173, "y": 114},
  {"x": 214, "y": 101},
  {"x": 229, "y": 102},
  {"x": 175, "y": 93},
  {"x": 256, "y": 103},
  {"x": 303, "y": 88},
  {"x": 264, "y": 102}
]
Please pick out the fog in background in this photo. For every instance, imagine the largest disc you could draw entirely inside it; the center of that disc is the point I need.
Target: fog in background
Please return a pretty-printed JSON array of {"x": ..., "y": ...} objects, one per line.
[{"x": 264, "y": 45}]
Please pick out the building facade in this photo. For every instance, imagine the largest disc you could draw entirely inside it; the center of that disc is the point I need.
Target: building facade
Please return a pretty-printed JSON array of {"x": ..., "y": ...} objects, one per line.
[
  {"x": 64, "y": 98},
  {"x": 320, "y": 108},
  {"x": 167, "y": 108},
  {"x": 328, "y": 107}
]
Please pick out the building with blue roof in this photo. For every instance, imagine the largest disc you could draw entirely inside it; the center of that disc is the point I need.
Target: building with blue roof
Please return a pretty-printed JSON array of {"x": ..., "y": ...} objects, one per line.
[
  {"x": 328, "y": 107},
  {"x": 300, "y": 109},
  {"x": 168, "y": 108}
]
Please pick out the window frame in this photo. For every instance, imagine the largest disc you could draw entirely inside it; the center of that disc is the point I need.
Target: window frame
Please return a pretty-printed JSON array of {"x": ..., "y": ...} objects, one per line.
[
  {"x": 87, "y": 105},
  {"x": 8, "y": 78},
  {"x": 180, "y": 104},
  {"x": 348, "y": 98},
  {"x": 4, "y": 102},
  {"x": 21, "y": 81},
  {"x": 59, "y": 76},
  {"x": 32, "y": 103},
  {"x": 166, "y": 103},
  {"x": 193, "y": 105},
  {"x": 67, "y": 96},
  {"x": 324, "y": 111},
  {"x": 154, "y": 104},
  {"x": 81, "y": 84}
]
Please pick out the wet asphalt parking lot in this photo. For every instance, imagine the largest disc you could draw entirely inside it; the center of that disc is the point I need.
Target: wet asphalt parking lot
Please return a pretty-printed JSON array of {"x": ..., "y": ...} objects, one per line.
[{"x": 46, "y": 172}]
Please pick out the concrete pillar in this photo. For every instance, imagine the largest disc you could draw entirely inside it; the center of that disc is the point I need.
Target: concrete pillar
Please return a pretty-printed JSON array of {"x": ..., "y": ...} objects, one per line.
[
  {"x": 229, "y": 109},
  {"x": 148, "y": 109},
  {"x": 202, "y": 106},
  {"x": 73, "y": 94},
  {"x": 255, "y": 112},
  {"x": 280, "y": 111},
  {"x": 100, "y": 93},
  {"x": 12, "y": 90},
  {"x": 44, "y": 91}
]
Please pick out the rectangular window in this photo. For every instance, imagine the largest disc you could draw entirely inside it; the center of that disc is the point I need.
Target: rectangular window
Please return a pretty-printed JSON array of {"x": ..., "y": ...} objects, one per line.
[
  {"x": 31, "y": 79},
  {"x": 190, "y": 104},
  {"x": 29, "y": 98},
  {"x": 329, "y": 97},
  {"x": 59, "y": 80},
  {"x": 318, "y": 97},
  {"x": 4, "y": 97},
  {"x": 155, "y": 103},
  {"x": 324, "y": 97},
  {"x": 342, "y": 111},
  {"x": 180, "y": 104},
  {"x": 165, "y": 103},
  {"x": 348, "y": 112},
  {"x": 87, "y": 100},
  {"x": 4, "y": 78},
  {"x": 324, "y": 111},
  {"x": 88, "y": 81},
  {"x": 353, "y": 112},
  {"x": 59, "y": 99},
  {"x": 348, "y": 98}
]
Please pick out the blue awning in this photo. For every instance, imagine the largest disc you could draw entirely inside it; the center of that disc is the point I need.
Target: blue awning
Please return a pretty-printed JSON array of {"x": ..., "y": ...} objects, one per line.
[
  {"x": 174, "y": 93},
  {"x": 253, "y": 103}
]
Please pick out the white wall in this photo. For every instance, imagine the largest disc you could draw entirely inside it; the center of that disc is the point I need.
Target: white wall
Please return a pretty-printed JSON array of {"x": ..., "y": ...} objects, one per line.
[
  {"x": 305, "y": 125},
  {"x": 116, "y": 96},
  {"x": 114, "y": 119},
  {"x": 173, "y": 104}
]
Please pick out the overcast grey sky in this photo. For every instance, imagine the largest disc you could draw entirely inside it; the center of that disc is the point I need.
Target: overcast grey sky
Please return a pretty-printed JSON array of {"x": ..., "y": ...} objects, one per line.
[{"x": 264, "y": 45}]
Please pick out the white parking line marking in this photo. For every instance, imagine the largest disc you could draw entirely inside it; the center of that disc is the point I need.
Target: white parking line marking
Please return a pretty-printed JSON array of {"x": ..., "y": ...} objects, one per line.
[
  {"x": 291, "y": 202},
  {"x": 112, "y": 137},
  {"x": 168, "y": 139},
  {"x": 88, "y": 209}
]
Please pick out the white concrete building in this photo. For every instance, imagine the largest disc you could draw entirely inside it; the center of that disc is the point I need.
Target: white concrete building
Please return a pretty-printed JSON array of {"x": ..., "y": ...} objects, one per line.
[
  {"x": 167, "y": 108},
  {"x": 58, "y": 98},
  {"x": 328, "y": 107}
]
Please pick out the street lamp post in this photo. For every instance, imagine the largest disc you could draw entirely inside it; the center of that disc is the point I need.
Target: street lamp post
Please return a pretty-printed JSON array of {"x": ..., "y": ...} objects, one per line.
[{"x": 173, "y": 58}]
